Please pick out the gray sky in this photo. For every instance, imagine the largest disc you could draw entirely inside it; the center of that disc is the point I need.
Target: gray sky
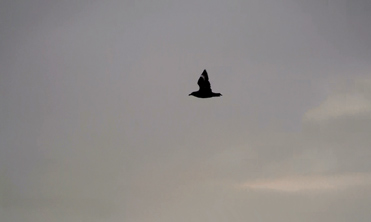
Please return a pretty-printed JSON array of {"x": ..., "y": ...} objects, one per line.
[{"x": 97, "y": 125}]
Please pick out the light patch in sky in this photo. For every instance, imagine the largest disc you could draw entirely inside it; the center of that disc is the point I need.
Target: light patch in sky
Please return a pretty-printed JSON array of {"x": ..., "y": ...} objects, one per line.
[
  {"x": 337, "y": 106},
  {"x": 346, "y": 104},
  {"x": 310, "y": 183}
]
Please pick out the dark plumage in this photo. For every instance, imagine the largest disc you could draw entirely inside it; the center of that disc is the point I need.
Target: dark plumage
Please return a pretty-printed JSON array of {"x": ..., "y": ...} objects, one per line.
[{"x": 205, "y": 88}]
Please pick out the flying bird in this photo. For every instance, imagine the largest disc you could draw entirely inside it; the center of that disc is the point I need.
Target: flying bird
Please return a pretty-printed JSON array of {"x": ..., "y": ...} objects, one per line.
[{"x": 205, "y": 87}]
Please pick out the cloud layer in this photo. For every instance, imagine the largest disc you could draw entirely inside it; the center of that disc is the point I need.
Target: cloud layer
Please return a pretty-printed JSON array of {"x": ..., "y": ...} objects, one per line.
[{"x": 97, "y": 125}]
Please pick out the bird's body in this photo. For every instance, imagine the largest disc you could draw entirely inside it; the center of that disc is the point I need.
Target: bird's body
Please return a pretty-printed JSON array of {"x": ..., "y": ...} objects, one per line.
[{"x": 205, "y": 87}]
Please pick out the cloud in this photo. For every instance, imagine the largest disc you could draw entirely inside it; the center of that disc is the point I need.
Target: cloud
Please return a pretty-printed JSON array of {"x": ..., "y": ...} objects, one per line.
[
  {"x": 330, "y": 155},
  {"x": 353, "y": 102},
  {"x": 339, "y": 106},
  {"x": 310, "y": 183}
]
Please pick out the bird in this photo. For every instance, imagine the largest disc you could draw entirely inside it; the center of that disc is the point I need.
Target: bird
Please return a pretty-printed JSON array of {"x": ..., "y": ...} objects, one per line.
[{"x": 205, "y": 87}]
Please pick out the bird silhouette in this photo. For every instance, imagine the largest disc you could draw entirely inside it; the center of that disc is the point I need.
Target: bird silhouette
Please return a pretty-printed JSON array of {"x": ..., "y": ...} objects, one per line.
[{"x": 205, "y": 87}]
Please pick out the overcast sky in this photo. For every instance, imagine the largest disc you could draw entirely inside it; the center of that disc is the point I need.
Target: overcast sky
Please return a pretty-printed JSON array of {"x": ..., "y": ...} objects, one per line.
[{"x": 96, "y": 123}]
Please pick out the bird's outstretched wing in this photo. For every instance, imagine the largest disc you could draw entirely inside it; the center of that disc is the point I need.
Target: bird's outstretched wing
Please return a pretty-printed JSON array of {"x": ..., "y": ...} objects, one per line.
[{"x": 203, "y": 82}]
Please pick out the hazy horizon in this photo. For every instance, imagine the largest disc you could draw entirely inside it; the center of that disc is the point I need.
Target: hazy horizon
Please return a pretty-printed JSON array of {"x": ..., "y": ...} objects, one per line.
[{"x": 96, "y": 123}]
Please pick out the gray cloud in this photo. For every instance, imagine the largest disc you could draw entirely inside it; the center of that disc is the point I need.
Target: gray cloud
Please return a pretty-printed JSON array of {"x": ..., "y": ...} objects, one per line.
[{"x": 96, "y": 122}]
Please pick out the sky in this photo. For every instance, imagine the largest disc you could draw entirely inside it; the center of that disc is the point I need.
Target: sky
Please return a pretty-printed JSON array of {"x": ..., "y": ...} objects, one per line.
[{"x": 96, "y": 123}]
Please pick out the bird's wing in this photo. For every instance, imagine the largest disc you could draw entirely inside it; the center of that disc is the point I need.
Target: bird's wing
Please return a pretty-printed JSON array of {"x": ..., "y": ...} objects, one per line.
[{"x": 203, "y": 82}]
